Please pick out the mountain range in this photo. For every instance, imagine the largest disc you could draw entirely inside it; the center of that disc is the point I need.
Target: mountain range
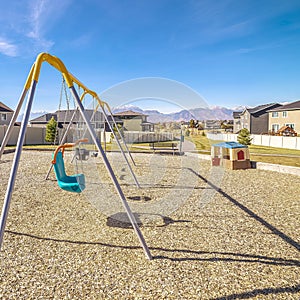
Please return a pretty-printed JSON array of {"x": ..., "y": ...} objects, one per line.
[
  {"x": 207, "y": 113},
  {"x": 154, "y": 116}
]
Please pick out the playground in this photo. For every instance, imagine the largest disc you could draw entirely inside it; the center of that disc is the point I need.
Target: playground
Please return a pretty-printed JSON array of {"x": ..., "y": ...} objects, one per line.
[
  {"x": 84, "y": 223},
  {"x": 240, "y": 242}
]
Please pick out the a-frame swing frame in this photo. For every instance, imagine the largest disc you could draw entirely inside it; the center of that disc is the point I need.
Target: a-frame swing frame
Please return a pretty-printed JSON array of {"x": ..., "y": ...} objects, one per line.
[{"x": 30, "y": 86}]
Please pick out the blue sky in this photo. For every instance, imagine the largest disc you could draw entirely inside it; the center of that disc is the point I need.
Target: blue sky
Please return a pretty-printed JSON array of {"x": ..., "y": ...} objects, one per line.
[{"x": 231, "y": 52}]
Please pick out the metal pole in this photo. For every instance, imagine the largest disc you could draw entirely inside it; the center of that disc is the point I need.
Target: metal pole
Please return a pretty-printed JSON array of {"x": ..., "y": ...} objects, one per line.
[
  {"x": 112, "y": 176},
  {"x": 114, "y": 121},
  {"x": 104, "y": 138},
  {"x": 14, "y": 169},
  {"x": 121, "y": 149},
  {"x": 12, "y": 122}
]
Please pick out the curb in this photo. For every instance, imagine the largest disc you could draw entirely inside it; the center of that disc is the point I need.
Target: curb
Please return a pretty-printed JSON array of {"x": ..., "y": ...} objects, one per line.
[{"x": 278, "y": 168}]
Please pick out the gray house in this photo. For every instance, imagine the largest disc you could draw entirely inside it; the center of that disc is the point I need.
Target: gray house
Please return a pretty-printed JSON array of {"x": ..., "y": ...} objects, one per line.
[
  {"x": 63, "y": 118},
  {"x": 236, "y": 121},
  {"x": 255, "y": 119},
  {"x": 134, "y": 121},
  {"x": 6, "y": 114}
]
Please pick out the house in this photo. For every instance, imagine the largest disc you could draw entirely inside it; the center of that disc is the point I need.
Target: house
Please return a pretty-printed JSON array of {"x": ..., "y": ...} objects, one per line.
[
  {"x": 285, "y": 115},
  {"x": 212, "y": 124},
  {"x": 237, "y": 121},
  {"x": 255, "y": 119},
  {"x": 63, "y": 118},
  {"x": 134, "y": 121},
  {"x": 6, "y": 114}
]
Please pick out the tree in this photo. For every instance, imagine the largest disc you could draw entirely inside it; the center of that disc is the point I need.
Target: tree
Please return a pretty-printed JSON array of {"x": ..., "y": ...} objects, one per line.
[
  {"x": 121, "y": 129},
  {"x": 244, "y": 137},
  {"x": 51, "y": 130},
  {"x": 192, "y": 123}
]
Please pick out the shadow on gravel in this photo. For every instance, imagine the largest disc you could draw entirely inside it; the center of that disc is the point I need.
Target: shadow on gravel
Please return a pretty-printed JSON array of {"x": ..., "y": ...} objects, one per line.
[
  {"x": 190, "y": 255},
  {"x": 266, "y": 291},
  {"x": 121, "y": 220},
  {"x": 252, "y": 214}
]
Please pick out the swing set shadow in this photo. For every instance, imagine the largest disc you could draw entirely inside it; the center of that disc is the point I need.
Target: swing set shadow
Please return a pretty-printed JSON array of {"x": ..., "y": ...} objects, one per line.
[
  {"x": 189, "y": 255},
  {"x": 249, "y": 212}
]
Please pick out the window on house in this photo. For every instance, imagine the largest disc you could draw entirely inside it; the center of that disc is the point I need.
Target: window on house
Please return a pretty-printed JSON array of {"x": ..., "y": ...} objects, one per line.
[
  {"x": 275, "y": 114},
  {"x": 3, "y": 117},
  {"x": 275, "y": 127},
  {"x": 284, "y": 114},
  {"x": 291, "y": 125}
]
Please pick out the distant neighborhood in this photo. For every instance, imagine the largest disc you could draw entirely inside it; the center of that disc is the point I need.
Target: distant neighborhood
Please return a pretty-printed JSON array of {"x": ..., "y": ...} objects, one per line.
[
  {"x": 273, "y": 119},
  {"x": 265, "y": 119}
]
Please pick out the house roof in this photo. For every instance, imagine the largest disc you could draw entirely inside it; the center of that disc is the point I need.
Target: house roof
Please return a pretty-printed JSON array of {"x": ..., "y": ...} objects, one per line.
[
  {"x": 44, "y": 118},
  {"x": 117, "y": 120},
  {"x": 5, "y": 108},
  {"x": 128, "y": 113},
  {"x": 64, "y": 116},
  {"x": 260, "y": 108},
  {"x": 236, "y": 114},
  {"x": 230, "y": 145},
  {"x": 147, "y": 123},
  {"x": 290, "y": 106}
]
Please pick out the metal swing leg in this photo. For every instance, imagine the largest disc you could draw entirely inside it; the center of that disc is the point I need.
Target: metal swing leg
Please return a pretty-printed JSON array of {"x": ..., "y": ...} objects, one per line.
[
  {"x": 112, "y": 175},
  {"x": 120, "y": 147},
  {"x": 115, "y": 123},
  {"x": 12, "y": 122},
  {"x": 15, "y": 165}
]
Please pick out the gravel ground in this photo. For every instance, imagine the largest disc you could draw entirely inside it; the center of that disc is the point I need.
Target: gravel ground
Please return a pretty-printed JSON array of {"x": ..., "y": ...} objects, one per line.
[{"x": 213, "y": 234}]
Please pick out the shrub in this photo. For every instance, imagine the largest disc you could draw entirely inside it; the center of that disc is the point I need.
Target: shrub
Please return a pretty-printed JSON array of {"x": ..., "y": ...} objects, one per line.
[
  {"x": 244, "y": 137},
  {"x": 51, "y": 131}
]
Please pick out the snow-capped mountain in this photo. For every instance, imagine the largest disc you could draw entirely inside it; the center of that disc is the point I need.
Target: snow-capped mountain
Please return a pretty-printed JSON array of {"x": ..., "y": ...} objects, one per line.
[{"x": 212, "y": 113}]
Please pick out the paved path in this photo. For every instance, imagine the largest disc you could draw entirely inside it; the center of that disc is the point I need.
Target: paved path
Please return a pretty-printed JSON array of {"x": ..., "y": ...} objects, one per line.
[{"x": 187, "y": 146}]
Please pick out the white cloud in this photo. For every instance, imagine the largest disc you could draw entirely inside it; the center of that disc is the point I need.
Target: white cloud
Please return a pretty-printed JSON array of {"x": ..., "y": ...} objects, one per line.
[
  {"x": 8, "y": 48},
  {"x": 27, "y": 24},
  {"x": 43, "y": 15}
]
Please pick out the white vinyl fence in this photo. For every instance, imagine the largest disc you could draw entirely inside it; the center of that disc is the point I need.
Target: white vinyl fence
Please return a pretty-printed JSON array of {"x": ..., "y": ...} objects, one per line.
[
  {"x": 147, "y": 137},
  {"x": 261, "y": 140}
]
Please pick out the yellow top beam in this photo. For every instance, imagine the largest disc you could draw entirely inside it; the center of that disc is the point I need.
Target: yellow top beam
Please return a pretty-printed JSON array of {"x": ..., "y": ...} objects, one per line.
[{"x": 59, "y": 65}]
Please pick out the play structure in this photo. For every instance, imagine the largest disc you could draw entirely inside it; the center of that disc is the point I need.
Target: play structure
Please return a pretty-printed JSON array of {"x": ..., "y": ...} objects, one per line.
[
  {"x": 231, "y": 155},
  {"x": 74, "y": 183}
]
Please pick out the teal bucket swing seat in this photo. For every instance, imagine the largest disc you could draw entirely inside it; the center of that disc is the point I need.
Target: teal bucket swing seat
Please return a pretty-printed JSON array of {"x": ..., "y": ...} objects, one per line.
[{"x": 71, "y": 183}]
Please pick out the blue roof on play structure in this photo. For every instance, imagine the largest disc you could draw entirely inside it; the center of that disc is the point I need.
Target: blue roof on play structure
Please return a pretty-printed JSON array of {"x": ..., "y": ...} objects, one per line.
[{"x": 230, "y": 145}]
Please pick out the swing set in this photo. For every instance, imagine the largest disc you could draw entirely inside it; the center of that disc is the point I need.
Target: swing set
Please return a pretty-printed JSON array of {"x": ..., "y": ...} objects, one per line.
[{"x": 74, "y": 183}]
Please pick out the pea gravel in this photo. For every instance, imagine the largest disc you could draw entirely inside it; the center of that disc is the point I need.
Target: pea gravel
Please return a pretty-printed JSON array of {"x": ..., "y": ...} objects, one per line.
[{"x": 229, "y": 235}]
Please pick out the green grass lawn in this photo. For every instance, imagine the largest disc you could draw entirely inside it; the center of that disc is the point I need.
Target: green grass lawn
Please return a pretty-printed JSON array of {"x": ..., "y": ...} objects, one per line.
[
  {"x": 272, "y": 155},
  {"x": 202, "y": 143}
]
